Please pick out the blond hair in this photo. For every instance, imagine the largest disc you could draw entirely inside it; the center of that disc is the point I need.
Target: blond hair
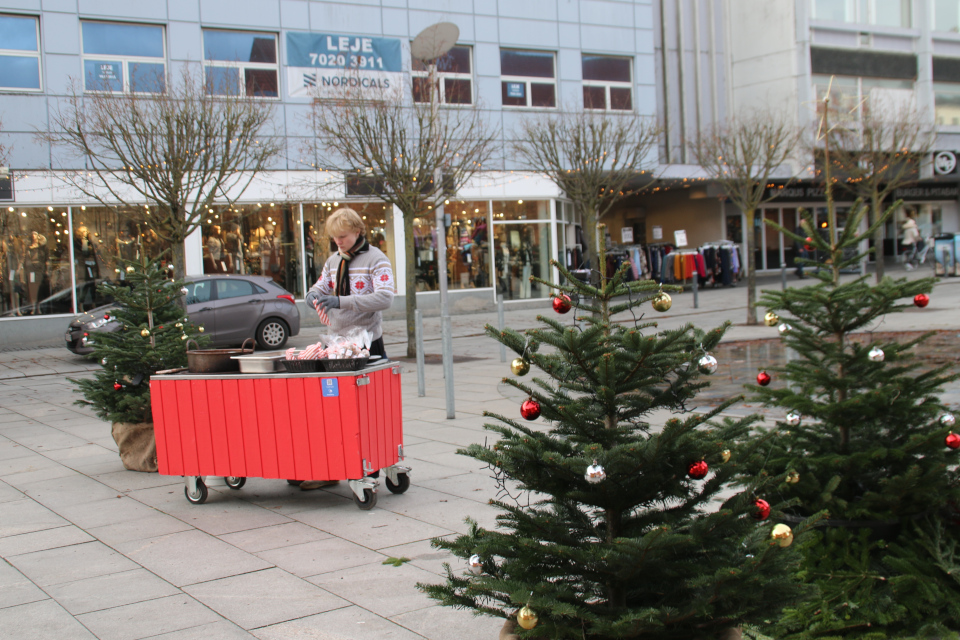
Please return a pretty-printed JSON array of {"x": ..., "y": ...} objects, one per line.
[{"x": 344, "y": 220}]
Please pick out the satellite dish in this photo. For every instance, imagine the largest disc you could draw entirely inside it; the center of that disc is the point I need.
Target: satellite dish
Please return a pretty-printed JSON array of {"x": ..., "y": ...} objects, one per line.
[{"x": 434, "y": 41}]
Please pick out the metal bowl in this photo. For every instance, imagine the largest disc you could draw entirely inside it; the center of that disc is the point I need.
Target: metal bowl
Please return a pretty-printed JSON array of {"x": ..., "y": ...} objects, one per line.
[{"x": 260, "y": 363}]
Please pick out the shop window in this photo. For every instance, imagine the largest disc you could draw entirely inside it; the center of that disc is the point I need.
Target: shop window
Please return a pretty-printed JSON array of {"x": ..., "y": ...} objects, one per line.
[
  {"x": 521, "y": 210},
  {"x": 607, "y": 82},
  {"x": 454, "y": 78},
  {"x": 121, "y": 57},
  {"x": 467, "y": 244},
  {"x": 851, "y": 98},
  {"x": 528, "y": 78},
  {"x": 887, "y": 13},
  {"x": 521, "y": 250},
  {"x": 19, "y": 53},
  {"x": 254, "y": 239},
  {"x": 318, "y": 246},
  {"x": 240, "y": 63},
  {"x": 35, "y": 253},
  {"x": 946, "y": 99}
]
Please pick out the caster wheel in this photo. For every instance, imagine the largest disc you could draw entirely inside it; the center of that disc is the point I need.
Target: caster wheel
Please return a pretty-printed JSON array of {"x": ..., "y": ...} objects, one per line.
[
  {"x": 200, "y": 496},
  {"x": 234, "y": 482},
  {"x": 369, "y": 500},
  {"x": 403, "y": 483},
  {"x": 294, "y": 483}
]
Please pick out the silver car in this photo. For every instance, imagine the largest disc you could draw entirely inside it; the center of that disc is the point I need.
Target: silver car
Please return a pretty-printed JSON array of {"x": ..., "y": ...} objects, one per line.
[{"x": 231, "y": 309}]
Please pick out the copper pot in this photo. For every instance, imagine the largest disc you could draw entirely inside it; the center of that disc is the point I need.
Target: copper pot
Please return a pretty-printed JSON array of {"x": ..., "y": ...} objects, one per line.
[{"x": 214, "y": 360}]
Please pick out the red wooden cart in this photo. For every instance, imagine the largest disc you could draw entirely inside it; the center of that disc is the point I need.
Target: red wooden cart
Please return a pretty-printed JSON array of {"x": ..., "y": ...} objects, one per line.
[{"x": 308, "y": 426}]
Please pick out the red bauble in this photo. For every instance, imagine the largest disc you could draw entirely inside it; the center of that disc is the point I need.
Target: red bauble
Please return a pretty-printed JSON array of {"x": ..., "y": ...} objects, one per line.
[
  {"x": 117, "y": 386},
  {"x": 952, "y": 440},
  {"x": 561, "y": 303},
  {"x": 763, "y": 378},
  {"x": 698, "y": 470},
  {"x": 921, "y": 300},
  {"x": 807, "y": 245},
  {"x": 763, "y": 509},
  {"x": 530, "y": 409}
]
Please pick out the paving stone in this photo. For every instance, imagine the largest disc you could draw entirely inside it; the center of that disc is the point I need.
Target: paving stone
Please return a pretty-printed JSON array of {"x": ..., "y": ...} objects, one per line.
[
  {"x": 24, "y": 516},
  {"x": 150, "y": 618},
  {"x": 424, "y": 556},
  {"x": 9, "y": 494},
  {"x": 443, "y": 623},
  {"x": 386, "y": 590},
  {"x": 116, "y": 508},
  {"x": 264, "y": 597},
  {"x": 276, "y": 537},
  {"x": 68, "y": 491},
  {"x": 151, "y": 526},
  {"x": 44, "y": 620},
  {"x": 441, "y": 509},
  {"x": 112, "y": 590},
  {"x": 349, "y": 623},
  {"x": 223, "y": 630},
  {"x": 374, "y": 529},
  {"x": 67, "y": 564},
  {"x": 123, "y": 480},
  {"x": 41, "y": 540},
  {"x": 16, "y": 589},
  {"x": 321, "y": 557},
  {"x": 190, "y": 557}
]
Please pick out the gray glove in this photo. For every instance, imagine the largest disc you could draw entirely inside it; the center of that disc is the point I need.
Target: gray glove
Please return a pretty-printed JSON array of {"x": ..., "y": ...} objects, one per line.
[
  {"x": 312, "y": 298},
  {"x": 330, "y": 302}
]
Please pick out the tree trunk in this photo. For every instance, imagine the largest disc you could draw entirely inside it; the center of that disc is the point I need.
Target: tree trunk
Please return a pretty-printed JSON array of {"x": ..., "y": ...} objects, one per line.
[
  {"x": 178, "y": 258},
  {"x": 410, "y": 281},
  {"x": 877, "y": 235},
  {"x": 751, "y": 268},
  {"x": 590, "y": 234}
]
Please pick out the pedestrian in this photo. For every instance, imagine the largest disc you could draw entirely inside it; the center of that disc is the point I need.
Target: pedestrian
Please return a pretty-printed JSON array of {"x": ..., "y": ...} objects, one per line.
[
  {"x": 355, "y": 286},
  {"x": 911, "y": 239}
]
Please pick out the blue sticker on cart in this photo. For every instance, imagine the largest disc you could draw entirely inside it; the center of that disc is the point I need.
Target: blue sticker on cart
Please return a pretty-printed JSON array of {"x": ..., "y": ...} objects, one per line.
[{"x": 330, "y": 386}]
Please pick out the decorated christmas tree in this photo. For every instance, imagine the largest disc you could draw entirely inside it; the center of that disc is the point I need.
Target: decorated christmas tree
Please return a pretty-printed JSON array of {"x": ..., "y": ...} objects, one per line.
[
  {"x": 868, "y": 446},
  {"x": 152, "y": 336},
  {"x": 611, "y": 525}
]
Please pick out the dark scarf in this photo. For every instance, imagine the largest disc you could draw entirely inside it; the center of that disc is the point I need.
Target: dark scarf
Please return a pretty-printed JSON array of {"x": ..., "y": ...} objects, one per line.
[{"x": 343, "y": 269}]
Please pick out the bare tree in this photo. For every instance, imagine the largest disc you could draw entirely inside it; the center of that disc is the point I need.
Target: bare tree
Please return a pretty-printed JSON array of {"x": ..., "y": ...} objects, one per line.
[
  {"x": 595, "y": 158},
  {"x": 4, "y": 149},
  {"x": 179, "y": 150},
  {"x": 875, "y": 154},
  {"x": 400, "y": 147},
  {"x": 742, "y": 156}
]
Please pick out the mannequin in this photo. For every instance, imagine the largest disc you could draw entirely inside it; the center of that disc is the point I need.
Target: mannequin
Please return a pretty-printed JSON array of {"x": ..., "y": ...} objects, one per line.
[
  {"x": 35, "y": 267},
  {"x": 214, "y": 247},
  {"x": 270, "y": 253},
  {"x": 13, "y": 250},
  {"x": 309, "y": 245},
  {"x": 233, "y": 247},
  {"x": 526, "y": 266}
]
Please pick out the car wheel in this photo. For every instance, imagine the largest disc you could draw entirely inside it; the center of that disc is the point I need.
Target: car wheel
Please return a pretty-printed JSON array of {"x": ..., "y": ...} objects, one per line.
[{"x": 272, "y": 333}]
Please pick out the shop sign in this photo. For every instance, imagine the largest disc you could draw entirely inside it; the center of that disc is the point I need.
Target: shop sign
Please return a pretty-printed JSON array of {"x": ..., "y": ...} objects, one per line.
[
  {"x": 6, "y": 184},
  {"x": 330, "y": 387},
  {"x": 626, "y": 235},
  {"x": 326, "y": 65},
  {"x": 516, "y": 90},
  {"x": 945, "y": 163},
  {"x": 798, "y": 192},
  {"x": 928, "y": 192},
  {"x": 680, "y": 238},
  {"x": 657, "y": 232}
]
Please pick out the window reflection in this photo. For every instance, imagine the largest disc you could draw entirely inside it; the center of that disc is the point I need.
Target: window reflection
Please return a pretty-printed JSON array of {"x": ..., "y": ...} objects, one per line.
[
  {"x": 467, "y": 243},
  {"x": 521, "y": 251},
  {"x": 35, "y": 253}
]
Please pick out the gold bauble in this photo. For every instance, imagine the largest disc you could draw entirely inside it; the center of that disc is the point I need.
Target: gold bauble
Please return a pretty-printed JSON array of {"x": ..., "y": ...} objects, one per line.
[
  {"x": 520, "y": 367},
  {"x": 771, "y": 319},
  {"x": 793, "y": 477},
  {"x": 200, "y": 329},
  {"x": 145, "y": 332},
  {"x": 662, "y": 302},
  {"x": 725, "y": 455},
  {"x": 183, "y": 337},
  {"x": 129, "y": 269},
  {"x": 783, "y": 535},
  {"x": 179, "y": 325},
  {"x": 527, "y": 618}
]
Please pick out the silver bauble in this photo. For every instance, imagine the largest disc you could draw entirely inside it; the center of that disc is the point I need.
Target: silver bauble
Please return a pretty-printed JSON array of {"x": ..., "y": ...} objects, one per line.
[
  {"x": 947, "y": 420},
  {"x": 793, "y": 418},
  {"x": 595, "y": 474},
  {"x": 876, "y": 354},
  {"x": 475, "y": 565},
  {"x": 707, "y": 364},
  {"x": 784, "y": 328}
]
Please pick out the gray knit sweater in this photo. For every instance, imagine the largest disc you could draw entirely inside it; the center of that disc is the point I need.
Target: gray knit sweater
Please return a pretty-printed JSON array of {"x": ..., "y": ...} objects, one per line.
[{"x": 371, "y": 291}]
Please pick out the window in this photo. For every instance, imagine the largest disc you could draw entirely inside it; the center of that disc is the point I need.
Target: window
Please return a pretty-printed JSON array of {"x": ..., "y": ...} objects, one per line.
[
  {"x": 886, "y": 13},
  {"x": 851, "y": 97},
  {"x": 528, "y": 78},
  {"x": 607, "y": 82},
  {"x": 19, "y": 52},
  {"x": 454, "y": 76},
  {"x": 946, "y": 99},
  {"x": 946, "y": 15},
  {"x": 199, "y": 292},
  {"x": 123, "y": 57},
  {"x": 241, "y": 63},
  {"x": 237, "y": 289}
]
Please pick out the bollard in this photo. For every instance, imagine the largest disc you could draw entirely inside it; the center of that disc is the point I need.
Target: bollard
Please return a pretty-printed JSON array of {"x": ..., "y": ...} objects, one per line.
[
  {"x": 421, "y": 380},
  {"x": 783, "y": 276},
  {"x": 500, "y": 323},
  {"x": 446, "y": 333},
  {"x": 696, "y": 298}
]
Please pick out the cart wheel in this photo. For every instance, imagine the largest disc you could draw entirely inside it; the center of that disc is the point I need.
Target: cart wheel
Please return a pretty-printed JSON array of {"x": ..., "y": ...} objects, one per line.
[
  {"x": 234, "y": 482},
  {"x": 200, "y": 496},
  {"x": 369, "y": 499},
  {"x": 294, "y": 483},
  {"x": 403, "y": 483}
]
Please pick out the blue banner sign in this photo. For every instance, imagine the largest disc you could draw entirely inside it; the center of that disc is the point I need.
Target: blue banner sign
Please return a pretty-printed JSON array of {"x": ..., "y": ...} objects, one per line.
[
  {"x": 331, "y": 51},
  {"x": 330, "y": 387},
  {"x": 516, "y": 90}
]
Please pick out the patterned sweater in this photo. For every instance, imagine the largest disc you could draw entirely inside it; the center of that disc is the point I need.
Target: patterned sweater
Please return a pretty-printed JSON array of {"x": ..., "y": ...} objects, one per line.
[{"x": 371, "y": 291}]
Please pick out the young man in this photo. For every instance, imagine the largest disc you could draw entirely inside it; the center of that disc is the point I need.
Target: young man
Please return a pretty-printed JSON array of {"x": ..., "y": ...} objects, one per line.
[
  {"x": 355, "y": 287},
  {"x": 911, "y": 240}
]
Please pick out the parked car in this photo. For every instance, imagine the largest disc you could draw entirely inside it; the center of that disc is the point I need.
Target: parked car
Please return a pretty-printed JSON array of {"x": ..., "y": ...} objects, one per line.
[{"x": 231, "y": 309}]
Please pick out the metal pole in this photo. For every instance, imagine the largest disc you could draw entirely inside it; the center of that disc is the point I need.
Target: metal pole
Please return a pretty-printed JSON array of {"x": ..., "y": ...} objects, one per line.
[
  {"x": 696, "y": 288},
  {"x": 446, "y": 331},
  {"x": 421, "y": 378},
  {"x": 500, "y": 323},
  {"x": 783, "y": 276}
]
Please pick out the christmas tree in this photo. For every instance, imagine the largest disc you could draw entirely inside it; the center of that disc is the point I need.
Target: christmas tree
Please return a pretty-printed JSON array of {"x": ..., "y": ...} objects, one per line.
[
  {"x": 612, "y": 526},
  {"x": 866, "y": 442},
  {"x": 152, "y": 337}
]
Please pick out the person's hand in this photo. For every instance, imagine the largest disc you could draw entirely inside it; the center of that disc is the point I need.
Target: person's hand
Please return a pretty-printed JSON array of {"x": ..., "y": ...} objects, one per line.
[
  {"x": 330, "y": 302},
  {"x": 312, "y": 298}
]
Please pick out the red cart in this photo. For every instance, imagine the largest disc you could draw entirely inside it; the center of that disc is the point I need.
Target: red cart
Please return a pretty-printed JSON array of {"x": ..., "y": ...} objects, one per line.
[{"x": 308, "y": 426}]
